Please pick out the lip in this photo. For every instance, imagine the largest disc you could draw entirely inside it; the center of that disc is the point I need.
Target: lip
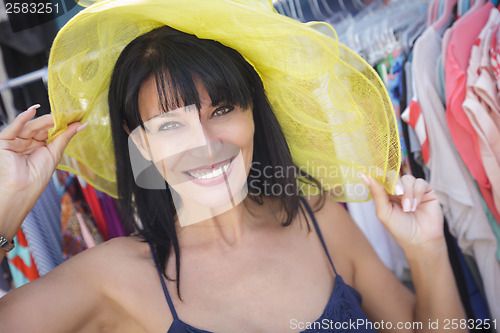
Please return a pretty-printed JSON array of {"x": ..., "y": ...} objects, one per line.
[{"x": 213, "y": 181}]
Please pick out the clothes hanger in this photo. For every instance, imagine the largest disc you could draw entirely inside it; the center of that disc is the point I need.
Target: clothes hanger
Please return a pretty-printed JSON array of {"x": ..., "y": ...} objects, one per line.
[
  {"x": 327, "y": 8},
  {"x": 279, "y": 7},
  {"x": 432, "y": 12},
  {"x": 445, "y": 17},
  {"x": 304, "y": 11},
  {"x": 409, "y": 36},
  {"x": 384, "y": 36},
  {"x": 317, "y": 10},
  {"x": 286, "y": 8},
  {"x": 293, "y": 10},
  {"x": 364, "y": 36},
  {"x": 298, "y": 10},
  {"x": 441, "y": 8},
  {"x": 341, "y": 21},
  {"x": 359, "y": 4},
  {"x": 342, "y": 5},
  {"x": 334, "y": 17},
  {"x": 337, "y": 5}
]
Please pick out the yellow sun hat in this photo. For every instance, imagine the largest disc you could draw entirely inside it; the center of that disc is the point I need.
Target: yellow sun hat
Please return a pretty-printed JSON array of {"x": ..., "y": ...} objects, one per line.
[{"x": 333, "y": 108}]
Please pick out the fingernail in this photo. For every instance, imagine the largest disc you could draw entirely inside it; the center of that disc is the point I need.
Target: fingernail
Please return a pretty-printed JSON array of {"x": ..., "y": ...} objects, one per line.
[
  {"x": 414, "y": 206},
  {"x": 35, "y": 106},
  {"x": 399, "y": 189},
  {"x": 406, "y": 205},
  {"x": 364, "y": 178},
  {"x": 82, "y": 127}
]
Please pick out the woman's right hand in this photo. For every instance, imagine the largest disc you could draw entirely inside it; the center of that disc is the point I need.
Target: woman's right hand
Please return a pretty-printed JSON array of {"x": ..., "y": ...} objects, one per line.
[{"x": 27, "y": 164}]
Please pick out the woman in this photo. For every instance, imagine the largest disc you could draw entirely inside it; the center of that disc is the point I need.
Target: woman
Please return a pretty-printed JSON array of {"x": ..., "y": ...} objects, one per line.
[{"x": 268, "y": 263}]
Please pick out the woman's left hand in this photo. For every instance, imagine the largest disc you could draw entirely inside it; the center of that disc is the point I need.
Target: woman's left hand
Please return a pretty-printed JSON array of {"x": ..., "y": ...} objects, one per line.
[{"x": 414, "y": 218}]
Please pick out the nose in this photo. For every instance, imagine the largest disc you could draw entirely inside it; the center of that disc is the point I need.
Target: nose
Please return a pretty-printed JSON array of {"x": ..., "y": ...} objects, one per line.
[
  {"x": 197, "y": 133},
  {"x": 208, "y": 145}
]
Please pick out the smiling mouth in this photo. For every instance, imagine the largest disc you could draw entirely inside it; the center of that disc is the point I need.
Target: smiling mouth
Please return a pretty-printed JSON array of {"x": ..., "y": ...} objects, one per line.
[{"x": 206, "y": 173}]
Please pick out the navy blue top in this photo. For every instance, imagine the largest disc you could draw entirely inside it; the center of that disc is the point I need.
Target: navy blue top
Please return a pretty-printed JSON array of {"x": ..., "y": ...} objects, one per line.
[{"x": 342, "y": 313}]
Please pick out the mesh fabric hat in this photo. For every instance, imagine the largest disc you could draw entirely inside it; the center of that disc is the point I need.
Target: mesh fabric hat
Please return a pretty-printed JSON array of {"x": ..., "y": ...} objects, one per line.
[{"x": 332, "y": 106}]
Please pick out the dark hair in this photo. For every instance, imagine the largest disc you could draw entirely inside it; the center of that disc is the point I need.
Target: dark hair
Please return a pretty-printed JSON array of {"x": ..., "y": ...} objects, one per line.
[{"x": 227, "y": 77}]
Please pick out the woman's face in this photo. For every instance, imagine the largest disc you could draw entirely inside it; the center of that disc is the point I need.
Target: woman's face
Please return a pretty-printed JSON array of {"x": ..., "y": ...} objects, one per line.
[{"x": 204, "y": 155}]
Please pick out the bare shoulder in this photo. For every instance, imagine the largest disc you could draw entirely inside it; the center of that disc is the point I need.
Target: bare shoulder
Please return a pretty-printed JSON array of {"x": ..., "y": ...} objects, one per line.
[
  {"x": 108, "y": 268},
  {"x": 124, "y": 271},
  {"x": 104, "y": 258},
  {"x": 83, "y": 293},
  {"x": 131, "y": 247},
  {"x": 119, "y": 264}
]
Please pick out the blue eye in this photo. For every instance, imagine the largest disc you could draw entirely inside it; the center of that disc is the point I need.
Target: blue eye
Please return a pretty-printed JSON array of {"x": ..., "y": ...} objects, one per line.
[
  {"x": 222, "y": 111},
  {"x": 170, "y": 125}
]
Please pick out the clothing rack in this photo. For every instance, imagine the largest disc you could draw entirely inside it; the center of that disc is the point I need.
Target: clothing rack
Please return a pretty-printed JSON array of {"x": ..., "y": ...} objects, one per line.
[
  {"x": 25, "y": 79},
  {"x": 41, "y": 74}
]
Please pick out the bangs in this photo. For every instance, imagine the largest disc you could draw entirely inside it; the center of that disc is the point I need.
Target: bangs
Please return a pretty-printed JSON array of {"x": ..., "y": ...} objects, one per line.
[{"x": 179, "y": 65}]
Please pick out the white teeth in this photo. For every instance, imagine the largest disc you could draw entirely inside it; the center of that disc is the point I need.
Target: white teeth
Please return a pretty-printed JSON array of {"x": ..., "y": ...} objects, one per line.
[{"x": 210, "y": 174}]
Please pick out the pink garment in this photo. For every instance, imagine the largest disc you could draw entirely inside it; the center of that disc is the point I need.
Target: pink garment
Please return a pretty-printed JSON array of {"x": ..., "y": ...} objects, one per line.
[
  {"x": 447, "y": 34},
  {"x": 482, "y": 109},
  {"x": 444, "y": 45},
  {"x": 86, "y": 234},
  {"x": 463, "y": 36}
]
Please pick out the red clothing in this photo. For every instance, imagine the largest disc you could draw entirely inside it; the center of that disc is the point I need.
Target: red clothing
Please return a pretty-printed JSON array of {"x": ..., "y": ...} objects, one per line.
[
  {"x": 28, "y": 269},
  {"x": 96, "y": 209}
]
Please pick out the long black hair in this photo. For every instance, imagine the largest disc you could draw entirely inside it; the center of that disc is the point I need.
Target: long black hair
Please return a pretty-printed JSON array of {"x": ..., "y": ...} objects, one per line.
[{"x": 177, "y": 59}]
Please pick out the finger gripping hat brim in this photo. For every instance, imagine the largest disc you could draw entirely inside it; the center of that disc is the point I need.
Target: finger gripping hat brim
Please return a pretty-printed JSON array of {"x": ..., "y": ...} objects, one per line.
[{"x": 333, "y": 108}]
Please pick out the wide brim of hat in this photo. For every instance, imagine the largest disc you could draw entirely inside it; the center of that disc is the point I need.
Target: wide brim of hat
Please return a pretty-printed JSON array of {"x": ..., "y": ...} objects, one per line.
[{"x": 332, "y": 106}]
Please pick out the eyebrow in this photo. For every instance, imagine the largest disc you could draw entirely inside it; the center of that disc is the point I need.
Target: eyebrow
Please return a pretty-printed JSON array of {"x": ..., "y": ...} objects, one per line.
[
  {"x": 168, "y": 114},
  {"x": 165, "y": 114}
]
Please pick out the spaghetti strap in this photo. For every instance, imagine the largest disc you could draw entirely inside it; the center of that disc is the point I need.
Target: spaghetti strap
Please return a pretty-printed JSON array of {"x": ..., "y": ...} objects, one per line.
[
  {"x": 163, "y": 285},
  {"x": 318, "y": 231}
]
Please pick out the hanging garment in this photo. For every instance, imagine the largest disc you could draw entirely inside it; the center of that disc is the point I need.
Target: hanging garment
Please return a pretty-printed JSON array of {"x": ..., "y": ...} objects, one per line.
[
  {"x": 482, "y": 108},
  {"x": 449, "y": 175},
  {"x": 72, "y": 241},
  {"x": 463, "y": 36},
  {"x": 388, "y": 250},
  {"x": 113, "y": 222},
  {"x": 95, "y": 207},
  {"x": 42, "y": 228},
  {"x": 470, "y": 292},
  {"x": 79, "y": 229},
  {"x": 390, "y": 70},
  {"x": 419, "y": 147},
  {"x": 415, "y": 151},
  {"x": 21, "y": 263},
  {"x": 412, "y": 115}
]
